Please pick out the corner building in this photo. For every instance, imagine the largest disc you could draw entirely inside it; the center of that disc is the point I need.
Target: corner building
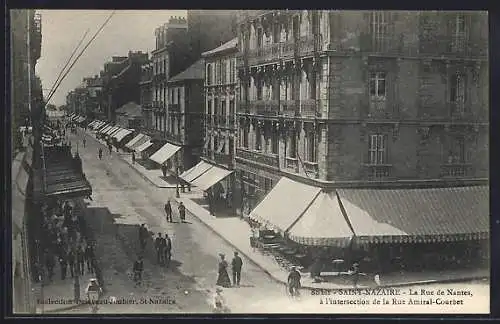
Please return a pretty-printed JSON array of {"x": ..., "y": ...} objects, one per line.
[{"x": 368, "y": 106}]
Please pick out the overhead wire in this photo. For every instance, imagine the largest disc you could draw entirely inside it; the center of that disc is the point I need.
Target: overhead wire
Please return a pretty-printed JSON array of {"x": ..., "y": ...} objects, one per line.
[
  {"x": 67, "y": 63},
  {"x": 79, "y": 55}
]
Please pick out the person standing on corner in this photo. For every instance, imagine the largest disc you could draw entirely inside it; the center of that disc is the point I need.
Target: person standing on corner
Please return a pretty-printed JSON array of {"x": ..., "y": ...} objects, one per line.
[
  {"x": 159, "y": 246},
  {"x": 100, "y": 153},
  {"x": 168, "y": 250},
  {"x": 182, "y": 212},
  {"x": 236, "y": 265},
  {"x": 133, "y": 157},
  {"x": 168, "y": 211}
]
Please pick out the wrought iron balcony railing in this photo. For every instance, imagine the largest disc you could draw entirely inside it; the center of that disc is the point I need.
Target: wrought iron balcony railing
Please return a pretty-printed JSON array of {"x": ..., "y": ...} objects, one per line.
[{"x": 259, "y": 157}]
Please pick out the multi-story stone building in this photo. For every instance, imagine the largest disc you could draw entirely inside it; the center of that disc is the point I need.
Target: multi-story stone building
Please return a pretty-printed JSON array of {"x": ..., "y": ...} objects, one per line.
[
  {"x": 185, "y": 115},
  {"x": 25, "y": 45},
  {"x": 352, "y": 96},
  {"x": 146, "y": 100},
  {"x": 221, "y": 92}
]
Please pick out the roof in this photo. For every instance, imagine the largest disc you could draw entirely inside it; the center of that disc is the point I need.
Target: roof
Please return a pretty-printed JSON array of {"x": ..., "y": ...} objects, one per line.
[
  {"x": 232, "y": 44},
  {"x": 194, "y": 72},
  {"x": 130, "y": 109}
]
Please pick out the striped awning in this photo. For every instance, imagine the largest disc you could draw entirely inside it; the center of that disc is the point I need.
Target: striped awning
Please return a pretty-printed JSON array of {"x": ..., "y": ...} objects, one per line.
[
  {"x": 122, "y": 134},
  {"x": 143, "y": 147},
  {"x": 195, "y": 172},
  {"x": 134, "y": 140},
  {"x": 425, "y": 215},
  {"x": 104, "y": 129},
  {"x": 164, "y": 153}
]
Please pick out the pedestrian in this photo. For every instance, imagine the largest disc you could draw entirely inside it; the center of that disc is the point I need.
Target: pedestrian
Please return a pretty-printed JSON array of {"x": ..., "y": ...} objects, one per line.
[
  {"x": 84, "y": 142},
  {"x": 100, "y": 153},
  {"x": 89, "y": 256},
  {"x": 137, "y": 269},
  {"x": 182, "y": 211},
  {"x": 64, "y": 265},
  {"x": 168, "y": 249},
  {"x": 168, "y": 211},
  {"x": 71, "y": 262},
  {"x": 80, "y": 259},
  {"x": 223, "y": 277},
  {"x": 294, "y": 282},
  {"x": 143, "y": 234},
  {"x": 50, "y": 263},
  {"x": 159, "y": 246},
  {"x": 355, "y": 274},
  {"x": 110, "y": 148},
  {"x": 164, "y": 170},
  {"x": 236, "y": 265},
  {"x": 133, "y": 157}
]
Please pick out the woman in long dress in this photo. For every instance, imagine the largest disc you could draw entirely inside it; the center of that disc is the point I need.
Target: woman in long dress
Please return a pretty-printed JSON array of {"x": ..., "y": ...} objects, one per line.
[{"x": 223, "y": 278}]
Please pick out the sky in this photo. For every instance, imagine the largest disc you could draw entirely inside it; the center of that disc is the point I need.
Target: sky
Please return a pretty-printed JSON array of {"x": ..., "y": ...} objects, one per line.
[{"x": 62, "y": 30}]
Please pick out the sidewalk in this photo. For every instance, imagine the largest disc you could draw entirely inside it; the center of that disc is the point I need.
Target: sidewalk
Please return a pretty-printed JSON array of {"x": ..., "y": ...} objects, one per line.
[{"x": 236, "y": 232}]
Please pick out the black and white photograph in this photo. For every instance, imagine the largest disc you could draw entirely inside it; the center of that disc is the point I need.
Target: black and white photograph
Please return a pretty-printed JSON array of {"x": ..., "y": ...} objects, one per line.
[{"x": 249, "y": 162}]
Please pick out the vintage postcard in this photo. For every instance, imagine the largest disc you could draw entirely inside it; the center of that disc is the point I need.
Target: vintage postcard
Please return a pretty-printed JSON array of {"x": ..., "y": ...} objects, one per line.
[{"x": 250, "y": 161}]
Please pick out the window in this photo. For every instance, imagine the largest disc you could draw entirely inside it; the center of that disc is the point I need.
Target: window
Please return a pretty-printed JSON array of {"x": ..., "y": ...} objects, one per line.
[
  {"x": 232, "y": 107},
  {"x": 457, "y": 92},
  {"x": 268, "y": 184},
  {"x": 223, "y": 108},
  {"x": 377, "y": 84},
  {"x": 457, "y": 153},
  {"x": 292, "y": 148},
  {"x": 274, "y": 142},
  {"x": 378, "y": 151},
  {"x": 260, "y": 34},
  {"x": 209, "y": 107},
  {"x": 209, "y": 74},
  {"x": 258, "y": 139},
  {"x": 179, "y": 95},
  {"x": 224, "y": 72},
  {"x": 460, "y": 24},
  {"x": 216, "y": 106},
  {"x": 231, "y": 146},
  {"x": 259, "y": 85},
  {"x": 311, "y": 147},
  {"x": 378, "y": 26},
  {"x": 245, "y": 137}
]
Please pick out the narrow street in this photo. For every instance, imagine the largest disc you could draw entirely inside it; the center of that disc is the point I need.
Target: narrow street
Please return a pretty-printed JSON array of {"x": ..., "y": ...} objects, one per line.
[{"x": 122, "y": 200}]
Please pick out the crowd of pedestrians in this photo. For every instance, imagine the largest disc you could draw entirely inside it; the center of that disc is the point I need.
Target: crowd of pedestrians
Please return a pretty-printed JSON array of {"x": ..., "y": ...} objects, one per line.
[{"x": 63, "y": 241}]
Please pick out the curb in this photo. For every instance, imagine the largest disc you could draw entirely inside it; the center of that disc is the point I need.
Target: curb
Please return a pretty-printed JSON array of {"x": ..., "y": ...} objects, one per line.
[{"x": 393, "y": 285}]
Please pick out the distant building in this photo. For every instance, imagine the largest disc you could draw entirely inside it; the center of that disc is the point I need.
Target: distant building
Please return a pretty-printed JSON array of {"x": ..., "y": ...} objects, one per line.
[
  {"x": 130, "y": 116},
  {"x": 146, "y": 100},
  {"x": 185, "y": 115}
]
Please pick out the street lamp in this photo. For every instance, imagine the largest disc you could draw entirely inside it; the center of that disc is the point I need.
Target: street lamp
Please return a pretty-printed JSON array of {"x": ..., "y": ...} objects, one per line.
[{"x": 177, "y": 194}]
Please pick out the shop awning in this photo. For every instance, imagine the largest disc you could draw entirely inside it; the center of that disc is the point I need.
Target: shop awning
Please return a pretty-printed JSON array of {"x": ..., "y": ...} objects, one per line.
[
  {"x": 324, "y": 223},
  {"x": 102, "y": 126},
  {"x": 82, "y": 119},
  {"x": 134, "y": 140},
  {"x": 121, "y": 135},
  {"x": 92, "y": 123},
  {"x": 143, "y": 146},
  {"x": 111, "y": 130},
  {"x": 104, "y": 129},
  {"x": 425, "y": 215},
  {"x": 115, "y": 132},
  {"x": 164, "y": 153},
  {"x": 284, "y": 204},
  {"x": 195, "y": 171},
  {"x": 211, "y": 177}
]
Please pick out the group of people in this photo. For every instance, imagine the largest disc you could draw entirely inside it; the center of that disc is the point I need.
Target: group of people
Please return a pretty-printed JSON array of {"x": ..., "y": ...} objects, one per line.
[
  {"x": 223, "y": 279},
  {"x": 181, "y": 208},
  {"x": 63, "y": 239}
]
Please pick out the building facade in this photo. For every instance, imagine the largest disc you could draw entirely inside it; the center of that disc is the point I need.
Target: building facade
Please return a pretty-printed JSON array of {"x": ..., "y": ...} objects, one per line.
[
  {"x": 25, "y": 44},
  {"x": 351, "y": 96},
  {"x": 146, "y": 100},
  {"x": 184, "y": 123},
  {"x": 221, "y": 92}
]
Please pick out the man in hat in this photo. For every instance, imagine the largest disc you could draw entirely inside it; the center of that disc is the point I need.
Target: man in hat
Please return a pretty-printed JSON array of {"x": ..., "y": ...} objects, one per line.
[
  {"x": 168, "y": 211},
  {"x": 294, "y": 281},
  {"x": 137, "y": 269},
  {"x": 159, "y": 247},
  {"x": 182, "y": 211},
  {"x": 168, "y": 249},
  {"x": 143, "y": 233},
  {"x": 236, "y": 265}
]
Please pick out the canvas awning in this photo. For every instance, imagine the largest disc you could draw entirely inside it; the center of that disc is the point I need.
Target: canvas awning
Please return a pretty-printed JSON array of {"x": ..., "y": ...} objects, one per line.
[
  {"x": 324, "y": 223},
  {"x": 284, "y": 204},
  {"x": 121, "y": 134},
  {"x": 143, "y": 146},
  {"x": 92, "y": 123},
  {"x": 81, "y": 119},
  {"x": 164, "y": 153},
  {"x": 211, "y": 177},
  {"x": 104, "y": 129},
  {"x": 115, "y": 132},
  {"x": 425, "y": 215},
  {"x": 195, "y": 171},
  {"x": 111, "y": 130},
  {"x": 134, "y": 140}
]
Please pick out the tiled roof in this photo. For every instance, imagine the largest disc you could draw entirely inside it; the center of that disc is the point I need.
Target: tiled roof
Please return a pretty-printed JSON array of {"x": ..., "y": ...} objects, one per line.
[
  {"x": 421, "y": 212},
  {"x": 194, "y": 72},
  {"x": 233, "y": 43}
]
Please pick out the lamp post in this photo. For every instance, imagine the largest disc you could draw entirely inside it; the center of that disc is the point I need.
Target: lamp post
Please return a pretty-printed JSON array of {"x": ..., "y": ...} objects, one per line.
[{"x": 177, "y": 194}]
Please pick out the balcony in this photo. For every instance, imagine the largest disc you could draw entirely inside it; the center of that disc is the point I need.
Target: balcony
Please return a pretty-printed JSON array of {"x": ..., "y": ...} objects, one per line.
[
  {"x": 307, "y": 46},
  {"x": 258, "y": 157},
  {"x": 312, "y": 169},
  {"x": 174, "y": 107},
  {"x": 224, "y": 159},
  {"x": 292, "y": 164},
  {"x": 270, "y": 53},
  {"x": 453, "y": 47},
  {"x": 308, "y": 108},
  {"x": 264, "y": 107},
  {"x": 377, "y": 172},
  {"x": 159, "y": 77},
  {"x": 454, "y": 170},
  {"x": 289, "y": 108}
]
